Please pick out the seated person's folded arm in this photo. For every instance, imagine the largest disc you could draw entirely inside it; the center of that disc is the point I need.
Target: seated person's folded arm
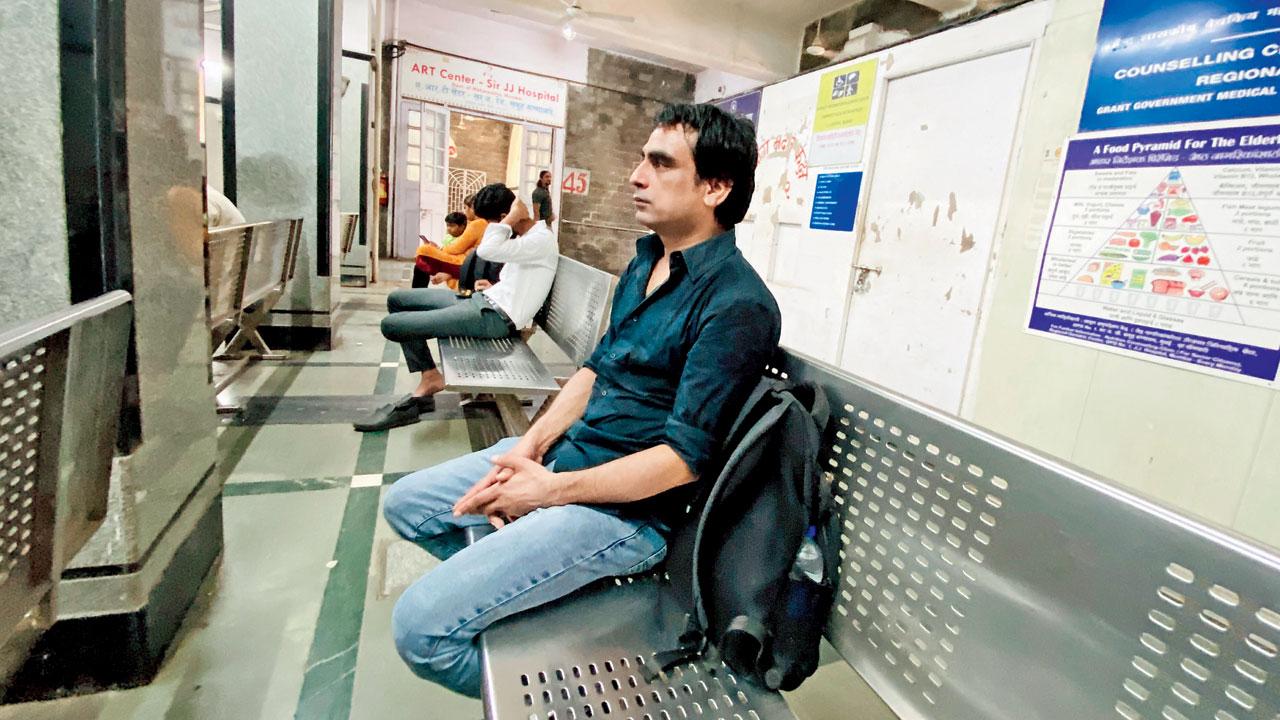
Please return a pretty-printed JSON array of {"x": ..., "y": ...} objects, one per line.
[{"x": 724, "y": 364}]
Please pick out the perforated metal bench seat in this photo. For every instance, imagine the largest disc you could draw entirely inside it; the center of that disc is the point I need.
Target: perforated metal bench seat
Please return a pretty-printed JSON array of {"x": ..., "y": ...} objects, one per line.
[
  {"x": 978, "y": 580},
  {"x": 581, "y": 657},
  {"x": 503, "y": 365},
  {"x": 574, "y": 317}
]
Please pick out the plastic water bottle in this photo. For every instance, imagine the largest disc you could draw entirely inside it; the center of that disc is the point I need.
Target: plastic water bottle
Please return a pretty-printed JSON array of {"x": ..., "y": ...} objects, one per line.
[
  {"x": 795, "y": 644},
  {"x": 809, "y": 558}
]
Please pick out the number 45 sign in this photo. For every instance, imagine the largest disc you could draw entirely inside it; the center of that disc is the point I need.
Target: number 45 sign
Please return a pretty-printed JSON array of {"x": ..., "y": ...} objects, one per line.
[{"x": 576, "y": 181}]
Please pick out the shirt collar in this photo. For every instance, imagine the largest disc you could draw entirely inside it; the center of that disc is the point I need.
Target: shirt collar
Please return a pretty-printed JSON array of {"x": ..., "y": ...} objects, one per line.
[{"x": 698, "y": 260}]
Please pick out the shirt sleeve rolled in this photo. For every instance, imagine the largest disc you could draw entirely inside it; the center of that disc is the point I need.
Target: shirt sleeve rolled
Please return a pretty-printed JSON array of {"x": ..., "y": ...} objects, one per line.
[{"x": 725, "y": 362}]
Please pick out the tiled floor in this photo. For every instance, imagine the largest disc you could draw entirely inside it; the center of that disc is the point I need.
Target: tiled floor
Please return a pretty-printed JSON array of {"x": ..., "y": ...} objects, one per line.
[{"x": 295, "y": 619}]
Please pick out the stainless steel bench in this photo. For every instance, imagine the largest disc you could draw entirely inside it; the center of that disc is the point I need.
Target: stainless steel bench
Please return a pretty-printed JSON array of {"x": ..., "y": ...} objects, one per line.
[
  {"x": 60, "y": 390},
  {"x": 979, "y": 580},
  {"x": 247, "y": 269},
  {"x": 574, "y": 317},
  {"x": 348, "y": 227}
]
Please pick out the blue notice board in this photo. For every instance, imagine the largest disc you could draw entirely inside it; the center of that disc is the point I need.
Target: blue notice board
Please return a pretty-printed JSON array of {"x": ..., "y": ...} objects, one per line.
[
  {"x": 1179, "y": 61},
  {"x": 835, "y": 202}
]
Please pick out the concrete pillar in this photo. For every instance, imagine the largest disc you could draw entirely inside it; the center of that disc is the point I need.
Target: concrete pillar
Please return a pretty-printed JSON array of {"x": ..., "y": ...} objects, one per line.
[
  {"x": 286, "y": 120},
  {"x": 123, "y": 597}
]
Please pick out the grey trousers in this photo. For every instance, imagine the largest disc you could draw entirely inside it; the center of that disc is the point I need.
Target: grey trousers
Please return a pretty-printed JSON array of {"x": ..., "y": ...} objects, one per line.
[{"x": 422, "y": 313}]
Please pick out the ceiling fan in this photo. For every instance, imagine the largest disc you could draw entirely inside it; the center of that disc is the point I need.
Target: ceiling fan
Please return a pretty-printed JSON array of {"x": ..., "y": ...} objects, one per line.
[{"x": 574, "y": 11}]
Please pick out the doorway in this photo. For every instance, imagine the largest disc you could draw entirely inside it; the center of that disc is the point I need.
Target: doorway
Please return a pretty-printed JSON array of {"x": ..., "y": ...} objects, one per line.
[{"x": 445, "y": 154}]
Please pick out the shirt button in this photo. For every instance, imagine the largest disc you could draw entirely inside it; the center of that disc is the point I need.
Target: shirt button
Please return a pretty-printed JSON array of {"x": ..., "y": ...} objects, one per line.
[
  {"x": 613, "y": 355},
  {"x": 604, "y": 392}
]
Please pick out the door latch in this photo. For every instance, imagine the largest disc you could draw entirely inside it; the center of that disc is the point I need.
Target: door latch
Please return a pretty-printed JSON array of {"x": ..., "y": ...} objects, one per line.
[{"x": 864, "y": 273}]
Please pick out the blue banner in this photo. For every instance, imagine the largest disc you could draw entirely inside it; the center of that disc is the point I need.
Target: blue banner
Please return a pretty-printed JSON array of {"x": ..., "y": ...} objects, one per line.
[
  {"x": 746, "y": 105},
  {"x": 1183, "y": 61},
  {"x": 835, "y": 201}
]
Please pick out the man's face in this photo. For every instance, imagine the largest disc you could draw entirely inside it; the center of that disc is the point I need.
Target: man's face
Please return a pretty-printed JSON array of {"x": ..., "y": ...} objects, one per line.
[
  {"x": 544, "y": 180},
  {"x": 668, "y": 193}
]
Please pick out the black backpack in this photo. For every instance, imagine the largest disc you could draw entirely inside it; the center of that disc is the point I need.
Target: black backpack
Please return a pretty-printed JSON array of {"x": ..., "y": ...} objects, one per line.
[{"x": 731, "y": 559}]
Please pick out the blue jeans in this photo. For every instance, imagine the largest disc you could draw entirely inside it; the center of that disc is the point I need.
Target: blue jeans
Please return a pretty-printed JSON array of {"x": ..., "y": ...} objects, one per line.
[{"x": 543, "y": 556}]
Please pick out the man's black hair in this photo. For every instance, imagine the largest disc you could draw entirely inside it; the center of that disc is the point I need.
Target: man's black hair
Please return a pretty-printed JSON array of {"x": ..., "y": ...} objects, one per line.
[
  {"x": 725, "y": 150},
  {"x": 456, "y": 218},
  {"x": 493, "y": 201},
  {"x": 544, "y": 172}
]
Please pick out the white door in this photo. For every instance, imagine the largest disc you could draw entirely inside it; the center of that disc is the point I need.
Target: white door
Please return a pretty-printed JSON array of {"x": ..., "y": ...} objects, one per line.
[
  {"x": 433, "y": 202},
  {"x": 930, "y": 220},
  {"x": 535, "y": 158}
]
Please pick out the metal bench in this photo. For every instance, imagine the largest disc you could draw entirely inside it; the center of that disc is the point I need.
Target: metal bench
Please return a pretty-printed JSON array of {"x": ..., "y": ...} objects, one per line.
[
  {"x": 574, "y": 317},
  {"x": 246, "y": 271},
  {"x": 978, "y": 580},
  {"x": 60, "y": 388}
]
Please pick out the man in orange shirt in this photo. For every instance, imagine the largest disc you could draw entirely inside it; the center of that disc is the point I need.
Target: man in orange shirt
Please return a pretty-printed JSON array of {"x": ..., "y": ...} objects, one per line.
[{"x": 444, "y": 264}]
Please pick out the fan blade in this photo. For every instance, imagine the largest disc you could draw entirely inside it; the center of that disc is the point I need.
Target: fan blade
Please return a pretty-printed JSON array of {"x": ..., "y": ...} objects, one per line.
[{"x": 608, "y": 16}]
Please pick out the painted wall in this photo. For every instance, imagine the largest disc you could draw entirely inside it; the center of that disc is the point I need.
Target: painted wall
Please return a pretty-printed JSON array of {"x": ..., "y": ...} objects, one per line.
[
  {"x": 1207, "y": 445},
  {"x": 33, "y": 225}
]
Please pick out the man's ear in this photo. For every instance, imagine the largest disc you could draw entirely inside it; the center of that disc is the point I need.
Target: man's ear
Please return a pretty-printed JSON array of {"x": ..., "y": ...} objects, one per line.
[{"x": 717, "y": 192}]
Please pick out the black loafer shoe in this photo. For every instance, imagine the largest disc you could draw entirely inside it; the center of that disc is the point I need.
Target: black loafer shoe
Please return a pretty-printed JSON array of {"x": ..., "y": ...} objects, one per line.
[{"x": 404, "y": 412}]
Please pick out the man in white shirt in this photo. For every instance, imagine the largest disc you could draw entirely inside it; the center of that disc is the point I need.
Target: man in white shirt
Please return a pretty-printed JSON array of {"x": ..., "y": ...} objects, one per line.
[
  {"x": 221, "y": 211},
  {"x": 529, "y": 252}
]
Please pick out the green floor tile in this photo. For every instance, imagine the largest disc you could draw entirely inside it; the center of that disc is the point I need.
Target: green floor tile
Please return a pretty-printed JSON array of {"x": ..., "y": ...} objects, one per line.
[
  {"x": 331, "y": 663},
  {"x": 285, "y": 452},
  {"x": 426, "y": 443}
]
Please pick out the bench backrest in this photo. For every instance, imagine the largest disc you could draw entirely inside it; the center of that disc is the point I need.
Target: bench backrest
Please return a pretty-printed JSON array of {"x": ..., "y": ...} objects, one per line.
[
  {"x": 576, "y": 313},
  {"x": 60, "y": 390},
  {"x": 982, "y": 580},
  {"x": 224, "y": 268},
  {"x": 270, "y": 251},
  {"x": 349, "y": 221}
]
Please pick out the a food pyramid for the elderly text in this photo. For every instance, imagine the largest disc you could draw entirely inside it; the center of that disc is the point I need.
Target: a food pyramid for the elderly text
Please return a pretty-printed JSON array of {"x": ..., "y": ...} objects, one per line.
[{"x": 1162, "y": 249}]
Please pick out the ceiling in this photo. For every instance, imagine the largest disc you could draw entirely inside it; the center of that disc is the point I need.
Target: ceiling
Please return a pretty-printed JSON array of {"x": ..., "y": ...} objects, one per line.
[{"x": 758, "y": 39}]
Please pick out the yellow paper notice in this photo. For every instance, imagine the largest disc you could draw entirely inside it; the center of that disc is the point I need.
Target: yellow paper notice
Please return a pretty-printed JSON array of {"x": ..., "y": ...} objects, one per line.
[{"x": 844, "y": 97}]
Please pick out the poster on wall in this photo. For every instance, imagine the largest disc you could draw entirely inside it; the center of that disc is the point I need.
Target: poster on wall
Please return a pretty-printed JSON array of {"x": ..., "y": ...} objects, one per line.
[
  {"x": 835, "y": 201},
  {"x": 1180, "y": 61},
  {"x": 844, "y": 108},
  {"x": 457, "y": 82},
  {"x": 746, "y": 105},
  {"x": 1165, "y": 246}
]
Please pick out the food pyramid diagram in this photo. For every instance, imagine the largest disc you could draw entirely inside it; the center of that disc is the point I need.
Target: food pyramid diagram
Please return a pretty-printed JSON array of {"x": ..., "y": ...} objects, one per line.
[{"x": 1162, "y": 248}]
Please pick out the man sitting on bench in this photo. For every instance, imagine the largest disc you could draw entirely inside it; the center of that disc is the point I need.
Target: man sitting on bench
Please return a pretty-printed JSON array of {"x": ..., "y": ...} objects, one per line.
[
  {"x": 530, "y": 254},
  {"x": 594, "y": 486}
]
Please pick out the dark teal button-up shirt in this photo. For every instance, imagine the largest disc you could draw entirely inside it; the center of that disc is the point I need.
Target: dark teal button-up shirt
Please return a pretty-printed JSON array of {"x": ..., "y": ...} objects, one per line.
[{"x": 674, "y": 367}]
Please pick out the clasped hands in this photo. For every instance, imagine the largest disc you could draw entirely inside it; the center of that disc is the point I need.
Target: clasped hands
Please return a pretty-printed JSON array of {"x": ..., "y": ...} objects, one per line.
[{"x": 517, "y": 485}]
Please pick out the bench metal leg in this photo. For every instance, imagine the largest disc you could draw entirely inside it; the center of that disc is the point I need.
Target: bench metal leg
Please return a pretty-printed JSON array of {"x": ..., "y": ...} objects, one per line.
[
  {"x": 248, "y": 335},
  {"x": 512, "y": 414}
]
